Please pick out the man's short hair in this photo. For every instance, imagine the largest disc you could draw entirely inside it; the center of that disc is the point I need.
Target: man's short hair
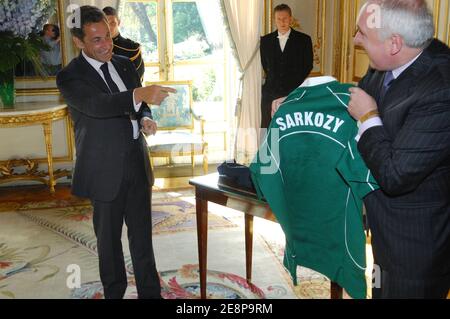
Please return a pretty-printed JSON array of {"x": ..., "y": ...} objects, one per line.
[
  {"x": 282, "y": 7},
  {"x": 86, "y": 15},
  {"x": 412, "y": 20},
  {"x": 110, "y": 11}
]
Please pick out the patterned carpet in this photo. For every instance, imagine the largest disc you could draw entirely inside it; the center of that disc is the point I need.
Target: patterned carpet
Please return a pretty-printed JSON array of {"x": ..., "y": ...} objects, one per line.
[{"x": 45, "y": 241}]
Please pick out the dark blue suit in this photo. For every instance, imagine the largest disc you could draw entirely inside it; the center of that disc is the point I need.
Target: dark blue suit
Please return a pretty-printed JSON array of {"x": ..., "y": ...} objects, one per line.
[
  {"x": 112, "y": 170},
  {"x": 285, "y": 70},
  {"x": 409, "y": 156}
]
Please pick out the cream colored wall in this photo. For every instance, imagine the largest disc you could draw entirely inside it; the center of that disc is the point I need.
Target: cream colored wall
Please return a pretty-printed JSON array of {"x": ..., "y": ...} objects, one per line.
[
  {"x": 442, "y": 14},
  {"x": 330, "y": 27}
]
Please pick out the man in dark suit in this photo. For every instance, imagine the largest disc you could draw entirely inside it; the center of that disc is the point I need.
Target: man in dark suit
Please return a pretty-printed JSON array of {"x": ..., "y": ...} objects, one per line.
[
  {"x": 287, "y": 59},
  {"x": 108, "y": 108},
  {"x": 124, "y": 46},
  {"x": 403, "y": 107}
]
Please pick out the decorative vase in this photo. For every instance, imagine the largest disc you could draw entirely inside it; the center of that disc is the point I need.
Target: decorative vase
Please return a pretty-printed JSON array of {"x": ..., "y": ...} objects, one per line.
[{"x": 7, "y": 89}]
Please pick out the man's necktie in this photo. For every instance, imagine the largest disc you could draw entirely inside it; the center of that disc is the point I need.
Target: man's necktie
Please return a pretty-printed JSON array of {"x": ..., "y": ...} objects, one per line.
[
  {"x": 388, "y": 78},
  {"x": 112, "y": 85}
]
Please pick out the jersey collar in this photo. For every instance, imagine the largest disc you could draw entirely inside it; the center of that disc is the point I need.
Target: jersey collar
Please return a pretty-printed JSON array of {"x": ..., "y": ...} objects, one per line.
[{"x": 317, "y": 81}]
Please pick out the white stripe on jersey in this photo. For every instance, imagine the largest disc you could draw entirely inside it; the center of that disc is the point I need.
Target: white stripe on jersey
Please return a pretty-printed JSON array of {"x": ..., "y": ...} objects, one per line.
[
  {"x": 336, "y": 96},
  {"x": 311, "y": 132}
]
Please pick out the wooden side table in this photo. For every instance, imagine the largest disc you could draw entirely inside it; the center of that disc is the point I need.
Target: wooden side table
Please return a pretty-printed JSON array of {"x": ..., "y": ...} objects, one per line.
[{"x": 207, "y": 189}]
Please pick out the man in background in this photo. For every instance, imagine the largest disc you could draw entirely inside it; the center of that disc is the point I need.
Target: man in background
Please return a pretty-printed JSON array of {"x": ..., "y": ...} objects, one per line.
[
  {"x": 287, "y": 59},
  {"x": 124, "y": 46},
  {"x": 51, "y": 58}
]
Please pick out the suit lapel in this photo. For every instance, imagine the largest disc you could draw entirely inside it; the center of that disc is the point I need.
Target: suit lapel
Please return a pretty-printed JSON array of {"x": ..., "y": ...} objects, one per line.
[
  {"x": 96, "y": 80},
  {"x": 275, "y": 44},
  {"x": 123, "y": 73},
  {"x": 373, "y": 85},
  {"x": 289, "y": 42},
  {"x": 378, "y": 83},
  {"x": 404, "y": 86},
  {"x": 91, "y": 74},
  {"x": 399, "y": 91}
]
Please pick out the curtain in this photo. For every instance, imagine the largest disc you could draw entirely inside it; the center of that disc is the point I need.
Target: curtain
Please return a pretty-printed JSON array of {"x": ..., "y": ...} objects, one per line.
[{"x": 244, "y": 24}]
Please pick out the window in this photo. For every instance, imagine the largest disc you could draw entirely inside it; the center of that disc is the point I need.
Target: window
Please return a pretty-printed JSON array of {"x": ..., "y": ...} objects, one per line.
[{"x": 185, "y": 40}]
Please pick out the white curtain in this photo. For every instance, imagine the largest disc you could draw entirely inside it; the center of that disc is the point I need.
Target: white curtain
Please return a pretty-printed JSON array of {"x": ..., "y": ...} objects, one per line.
[{"x": 244, "y": 20}]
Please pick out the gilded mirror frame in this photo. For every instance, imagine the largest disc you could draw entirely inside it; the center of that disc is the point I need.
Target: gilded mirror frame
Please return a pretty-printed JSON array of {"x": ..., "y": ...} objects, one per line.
[{"x": 35, "y": 85}]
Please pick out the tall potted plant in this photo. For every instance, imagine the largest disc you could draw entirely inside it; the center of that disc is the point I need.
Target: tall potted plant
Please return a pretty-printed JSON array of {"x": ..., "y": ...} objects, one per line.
[{"x": 20, "y": 23}]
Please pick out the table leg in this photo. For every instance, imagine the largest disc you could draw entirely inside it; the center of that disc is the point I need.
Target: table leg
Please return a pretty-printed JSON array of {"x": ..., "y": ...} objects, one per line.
[
  {"x": 202, "y": 240},
  {"x": 335, "y": 291},
  {"x": 248, "y": 246},
  {"x": 48, "y": 146}
]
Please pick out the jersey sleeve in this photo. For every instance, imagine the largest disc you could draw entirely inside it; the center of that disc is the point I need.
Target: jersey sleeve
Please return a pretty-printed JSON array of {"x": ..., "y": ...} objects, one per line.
[
  {"x": 354, "y": 171},
  {"x": 268, "y": 180}
]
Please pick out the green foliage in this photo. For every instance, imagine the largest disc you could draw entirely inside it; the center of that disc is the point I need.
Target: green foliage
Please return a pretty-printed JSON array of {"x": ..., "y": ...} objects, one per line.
[
  {"x": 14, "y": 49},
  {"x": 20, "y": 20},
  {"x": 186, "y": 20},
  {"x": 204, "y": 91},
  {"x": 139, "y": 23}
]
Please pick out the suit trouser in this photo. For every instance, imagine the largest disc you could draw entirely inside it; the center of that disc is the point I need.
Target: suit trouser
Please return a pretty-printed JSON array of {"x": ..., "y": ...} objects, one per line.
[
  {"x": 132, "y": 204},
  {"x": 398, "y": 286},
  {"x": 405, "y": 284},
  {"x": 266, "y": 109}
]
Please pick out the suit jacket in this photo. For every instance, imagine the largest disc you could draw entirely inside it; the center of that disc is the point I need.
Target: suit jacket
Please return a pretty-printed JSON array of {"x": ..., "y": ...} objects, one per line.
[
  {"x": 286, "y": 70},
  {"x": 103, "y": 131},
  {"x": 409, "y": 156}
]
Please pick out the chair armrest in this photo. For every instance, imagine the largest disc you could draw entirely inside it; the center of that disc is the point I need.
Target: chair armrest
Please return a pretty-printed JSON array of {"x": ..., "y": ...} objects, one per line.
[
  {"x": 197, "y": 116},
  {"x": 202, "y": 123}
]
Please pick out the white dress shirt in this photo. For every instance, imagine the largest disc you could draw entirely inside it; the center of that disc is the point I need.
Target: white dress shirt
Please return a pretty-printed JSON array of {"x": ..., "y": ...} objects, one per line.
[
  {"x": 116, "y": 78},
  {"x": 376, "y": 121},
  {"x": 283, "y": 39}
]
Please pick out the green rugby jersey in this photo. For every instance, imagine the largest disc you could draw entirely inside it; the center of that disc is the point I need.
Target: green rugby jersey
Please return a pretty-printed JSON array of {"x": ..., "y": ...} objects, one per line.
[{"x": 311, "y": 174}]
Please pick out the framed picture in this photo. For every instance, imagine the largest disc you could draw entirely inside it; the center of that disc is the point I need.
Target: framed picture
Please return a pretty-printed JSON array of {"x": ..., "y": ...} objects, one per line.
[{"x": 175, "y": 111}]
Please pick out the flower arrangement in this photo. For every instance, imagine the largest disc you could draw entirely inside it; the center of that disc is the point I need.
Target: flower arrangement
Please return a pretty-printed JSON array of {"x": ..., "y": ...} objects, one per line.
[{"x": 20, "y": 23}]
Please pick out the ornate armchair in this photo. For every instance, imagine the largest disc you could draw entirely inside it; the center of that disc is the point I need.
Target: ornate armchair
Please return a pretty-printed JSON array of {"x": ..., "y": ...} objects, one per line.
[{"x": 177, "y": 134}]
